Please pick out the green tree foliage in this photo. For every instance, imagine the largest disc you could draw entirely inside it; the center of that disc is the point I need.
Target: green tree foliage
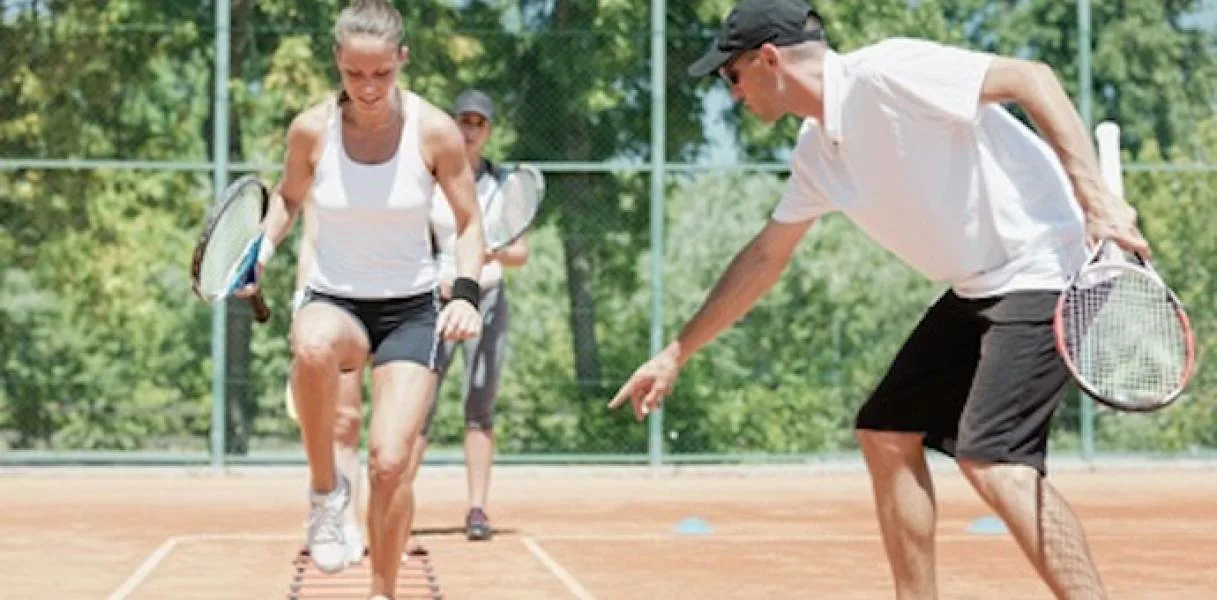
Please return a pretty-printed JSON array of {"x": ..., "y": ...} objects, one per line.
[{"x": 1153, "y": 72}]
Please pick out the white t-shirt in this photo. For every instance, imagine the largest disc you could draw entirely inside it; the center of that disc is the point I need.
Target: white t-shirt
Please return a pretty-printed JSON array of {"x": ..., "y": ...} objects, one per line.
[
  {"x": 961, "y": 191},
  {"x": 443, "y": 223}
]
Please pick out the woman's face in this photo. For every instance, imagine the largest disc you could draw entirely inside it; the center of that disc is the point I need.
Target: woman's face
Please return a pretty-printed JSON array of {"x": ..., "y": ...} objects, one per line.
[
  {"x": 369, "y": 66},
  {"x": 476, "y": 131}
]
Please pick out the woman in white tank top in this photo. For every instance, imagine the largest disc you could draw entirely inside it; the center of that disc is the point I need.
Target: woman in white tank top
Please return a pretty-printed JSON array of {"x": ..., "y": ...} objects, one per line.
[
  {"x": 484, "y": 356},
  {"x": 368, "y": 162}
]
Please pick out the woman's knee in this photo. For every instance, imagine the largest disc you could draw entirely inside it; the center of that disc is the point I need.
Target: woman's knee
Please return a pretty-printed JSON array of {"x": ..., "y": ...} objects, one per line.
[
  {"x": 388, "y": 464},
  {"x": 480, "y": 395},
  {"x": 479, "y": 416},
  {"x": 314, "y": 352},
  {"x": 348, "y": 422}
]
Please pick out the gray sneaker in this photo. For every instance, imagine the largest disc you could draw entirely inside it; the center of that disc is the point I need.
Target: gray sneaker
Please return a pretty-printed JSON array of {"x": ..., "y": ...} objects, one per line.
[
  {"x": 477, "y": 525},
  {"x": 326, "y": 542}
]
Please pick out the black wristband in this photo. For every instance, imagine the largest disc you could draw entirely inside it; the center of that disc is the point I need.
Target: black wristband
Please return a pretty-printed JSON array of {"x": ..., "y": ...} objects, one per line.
[{"x": 467, "y": 289}]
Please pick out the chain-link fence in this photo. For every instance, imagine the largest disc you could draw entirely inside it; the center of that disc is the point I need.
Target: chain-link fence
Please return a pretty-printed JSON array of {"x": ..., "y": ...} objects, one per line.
[{"x": 107, "y": 120}]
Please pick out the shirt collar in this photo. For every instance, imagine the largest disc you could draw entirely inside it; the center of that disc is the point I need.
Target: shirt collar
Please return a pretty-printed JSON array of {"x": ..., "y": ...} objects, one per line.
[{"x": 834, "y": 88}]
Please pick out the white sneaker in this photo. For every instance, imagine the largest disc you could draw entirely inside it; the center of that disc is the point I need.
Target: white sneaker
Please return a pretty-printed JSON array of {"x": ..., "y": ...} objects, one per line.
[
  {"x": 354, "y": 543},
  {"x": 326, "y": 543}
]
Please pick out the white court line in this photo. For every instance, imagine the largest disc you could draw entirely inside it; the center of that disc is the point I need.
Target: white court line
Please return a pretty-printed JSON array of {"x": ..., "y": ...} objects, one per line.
[
  {"x": 732, "y": 538},
  {"x": 141, "y": 574},
  {"x": 145, "y": 569},
  {"x": 572, "y": 584},
  {"x": 775, "y": 538}
]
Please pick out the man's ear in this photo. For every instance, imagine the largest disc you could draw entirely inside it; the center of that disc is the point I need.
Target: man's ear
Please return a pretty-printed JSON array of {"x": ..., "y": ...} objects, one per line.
[{"x": 770, "y": 55}]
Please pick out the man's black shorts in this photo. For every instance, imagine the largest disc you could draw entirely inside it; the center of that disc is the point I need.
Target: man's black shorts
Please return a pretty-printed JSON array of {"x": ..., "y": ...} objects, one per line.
[{"x": 981, "y": 378}]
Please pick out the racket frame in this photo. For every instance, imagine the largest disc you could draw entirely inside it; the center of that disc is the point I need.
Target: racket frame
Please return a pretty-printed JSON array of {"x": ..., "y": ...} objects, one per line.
[
  {"x": 1142, "y": 268},
  {"x": 540, "y": 178},
  {"x": 231, "y": 194}
]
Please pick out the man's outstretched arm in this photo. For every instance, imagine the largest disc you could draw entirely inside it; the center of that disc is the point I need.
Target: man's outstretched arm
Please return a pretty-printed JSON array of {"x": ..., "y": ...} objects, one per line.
[{"x": 750, "y": 275}]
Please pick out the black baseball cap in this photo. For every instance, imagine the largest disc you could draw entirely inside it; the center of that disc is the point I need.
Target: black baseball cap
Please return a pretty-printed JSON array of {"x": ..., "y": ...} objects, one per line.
[
  {"x": 754, "y": 23},
  {"x": 474, "y": 101}
]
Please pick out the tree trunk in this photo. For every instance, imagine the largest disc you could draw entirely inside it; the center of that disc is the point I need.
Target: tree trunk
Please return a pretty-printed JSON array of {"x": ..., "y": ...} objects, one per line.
[
  {"x": 579, "y": 278},
  {"x": 578, "y": 219}
]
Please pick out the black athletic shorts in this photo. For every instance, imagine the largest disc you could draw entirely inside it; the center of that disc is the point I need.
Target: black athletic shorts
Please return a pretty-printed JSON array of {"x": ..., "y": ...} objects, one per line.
[
  {"x": 397, "y": 328},
  {"x": 981, "y": 378}
]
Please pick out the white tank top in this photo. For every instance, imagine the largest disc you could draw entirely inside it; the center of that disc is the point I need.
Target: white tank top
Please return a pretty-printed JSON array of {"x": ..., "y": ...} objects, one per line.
[{"x": 373, "y": 237}]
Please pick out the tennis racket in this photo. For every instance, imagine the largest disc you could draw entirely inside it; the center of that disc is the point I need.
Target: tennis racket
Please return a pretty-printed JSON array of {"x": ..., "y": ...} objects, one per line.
[
  {"x": 226, "y": 255},
  {"x": 1122, "y": 332},
  {"x": 510, "y": 213}
]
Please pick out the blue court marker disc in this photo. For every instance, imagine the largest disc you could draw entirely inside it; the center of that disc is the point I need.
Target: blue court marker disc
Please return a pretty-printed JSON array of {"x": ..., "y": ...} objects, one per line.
[
  {"x": 989, "y": 525},
  {"x": 693, "y": 526}
]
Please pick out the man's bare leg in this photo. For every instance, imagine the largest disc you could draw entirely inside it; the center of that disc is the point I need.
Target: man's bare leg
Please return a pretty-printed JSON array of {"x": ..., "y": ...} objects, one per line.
[
  {"x": 1043, "y": 523},
  {"x": 904, "y": 504}
]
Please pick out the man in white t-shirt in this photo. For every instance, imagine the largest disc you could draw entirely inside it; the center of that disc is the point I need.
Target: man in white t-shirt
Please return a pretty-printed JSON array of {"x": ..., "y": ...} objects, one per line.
[{"x": 908, "y": 140}]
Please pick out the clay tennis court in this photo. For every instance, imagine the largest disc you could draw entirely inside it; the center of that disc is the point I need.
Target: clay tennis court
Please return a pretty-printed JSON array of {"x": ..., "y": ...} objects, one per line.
[{"x": 776, "y": 532}]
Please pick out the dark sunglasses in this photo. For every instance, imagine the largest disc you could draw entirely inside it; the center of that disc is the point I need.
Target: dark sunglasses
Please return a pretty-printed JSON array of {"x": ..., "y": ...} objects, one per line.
[{"x": 728, "y": 73}]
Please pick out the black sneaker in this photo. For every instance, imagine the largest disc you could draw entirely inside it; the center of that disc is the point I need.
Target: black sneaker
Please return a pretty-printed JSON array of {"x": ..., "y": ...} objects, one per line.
[{"x": 477, "y": 525}]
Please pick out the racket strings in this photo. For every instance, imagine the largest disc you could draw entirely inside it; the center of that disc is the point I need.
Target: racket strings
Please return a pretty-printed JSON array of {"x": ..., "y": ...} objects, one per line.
[
  {"x": 1125, "y": 338},
  {"x": 230, "y": 239},
  {"x": 507, "y": 218}
]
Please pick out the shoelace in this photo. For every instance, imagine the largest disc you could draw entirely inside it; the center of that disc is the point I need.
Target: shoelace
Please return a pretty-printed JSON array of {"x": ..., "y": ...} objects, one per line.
[{"x": 325, "y": 524}]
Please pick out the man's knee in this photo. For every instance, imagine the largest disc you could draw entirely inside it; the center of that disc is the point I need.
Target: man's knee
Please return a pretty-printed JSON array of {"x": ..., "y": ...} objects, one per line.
[
  {"x": 888, "y": 443},
  {"x": 993, "y": 480}
]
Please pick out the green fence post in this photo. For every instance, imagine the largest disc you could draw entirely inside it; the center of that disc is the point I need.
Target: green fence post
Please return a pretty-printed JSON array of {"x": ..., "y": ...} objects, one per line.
[
  {"x": 219, "y": 180},
  {"x": 658, "y": 157},
  {"x": 1085, "y": 85}
]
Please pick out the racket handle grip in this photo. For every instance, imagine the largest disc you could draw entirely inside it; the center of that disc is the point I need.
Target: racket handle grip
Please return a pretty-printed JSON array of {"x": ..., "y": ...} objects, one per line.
[{"x": 261, "y": 310}]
